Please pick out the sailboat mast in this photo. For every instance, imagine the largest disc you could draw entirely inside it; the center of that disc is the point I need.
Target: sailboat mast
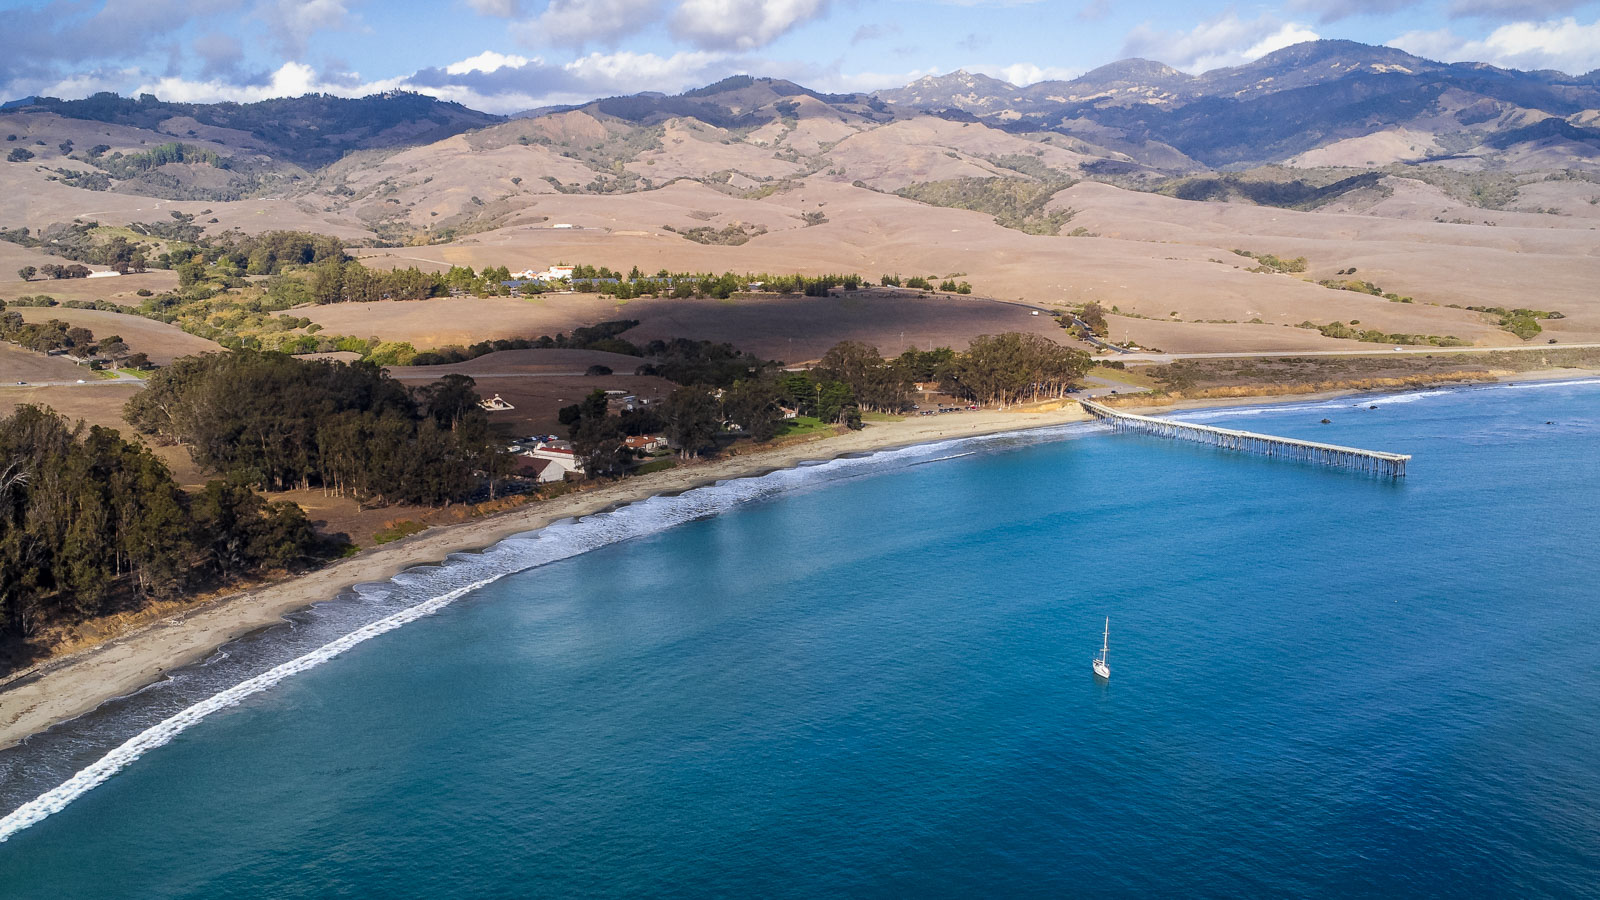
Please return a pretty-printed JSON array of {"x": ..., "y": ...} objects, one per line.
[{"x": 1105, "y": 644}]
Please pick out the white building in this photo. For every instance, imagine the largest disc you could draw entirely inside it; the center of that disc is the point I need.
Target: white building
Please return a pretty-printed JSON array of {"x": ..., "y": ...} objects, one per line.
[
  {"x": 560, "y": 459},
  {"x": 554, "y": 273}
]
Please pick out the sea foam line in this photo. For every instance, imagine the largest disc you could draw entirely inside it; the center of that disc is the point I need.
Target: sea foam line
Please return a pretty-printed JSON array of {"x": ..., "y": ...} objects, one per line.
[
  {"x": 1359, "y": 401},
  {"x": 635, "y": 520},
  {"x": 96, "y": 773}
]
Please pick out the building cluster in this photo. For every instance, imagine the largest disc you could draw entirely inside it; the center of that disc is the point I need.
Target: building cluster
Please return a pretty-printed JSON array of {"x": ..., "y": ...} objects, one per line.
[
  {"x": 554, "y": 273},
  {"x": 545, "y": 458}
]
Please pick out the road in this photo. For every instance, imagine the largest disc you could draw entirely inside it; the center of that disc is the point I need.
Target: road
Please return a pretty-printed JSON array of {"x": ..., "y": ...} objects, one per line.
[
  {"x": 85, "y": 382},
  {"x": 1377, "y": 350},
  {"x": 400, "y": 374}
]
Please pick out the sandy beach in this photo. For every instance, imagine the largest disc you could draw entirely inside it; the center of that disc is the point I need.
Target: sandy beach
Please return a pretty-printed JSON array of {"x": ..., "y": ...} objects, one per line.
[{"x": 71, "y": 685}]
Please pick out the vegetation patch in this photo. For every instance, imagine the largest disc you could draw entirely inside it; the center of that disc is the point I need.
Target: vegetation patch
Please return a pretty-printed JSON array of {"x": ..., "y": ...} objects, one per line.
[
  {"x": 1364, "y": 287},
  {"x": 732, "y": 235},
  {"x": 1263, "y": 190},
  {"x": 1017, "y": 203},
  {"x": 395, "y": 530},
  {"x": 1266, "y": 262},
  {"x": 1373, "y": 336},
  {"x": 1524, "y": 323}
]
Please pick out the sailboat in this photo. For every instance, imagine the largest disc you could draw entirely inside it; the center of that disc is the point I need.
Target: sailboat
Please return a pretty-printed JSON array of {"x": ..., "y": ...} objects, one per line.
[{"x": 1101, "y": 668}]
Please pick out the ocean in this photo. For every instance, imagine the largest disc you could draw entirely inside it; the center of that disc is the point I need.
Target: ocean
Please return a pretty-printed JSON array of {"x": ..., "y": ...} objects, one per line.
[{"x": 870, "y": 678}]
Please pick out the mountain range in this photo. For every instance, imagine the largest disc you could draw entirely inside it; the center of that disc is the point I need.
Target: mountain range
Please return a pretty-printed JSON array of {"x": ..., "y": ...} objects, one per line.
[{"x": 1301, "y": 126}]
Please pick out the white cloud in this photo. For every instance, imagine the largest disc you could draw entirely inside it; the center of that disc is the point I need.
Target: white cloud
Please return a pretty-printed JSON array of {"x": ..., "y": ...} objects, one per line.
[
  {"x": 1510, "y": 9},
  {"x": 292, "y": 79},
  {"x": 986, "y": 2},
  {"x": 1334, "y": 10},
  {"x": 504, "y": 9},
  {"x": 490, "y": 81},
  {"x": 1024, "y": 74},
  {"x": 487, "y": 61},
  {"x": 293, "y": 22},
  {"x": 78, "y": 84},
  {"x": 741, "y": 24},
  {"x": 1224, "y": 41},
  {"x": 628, "y": 72},
  {"x": 580, "y": 22},
  {"x": 1564, "y": 44},
  {"x": 836, "y": 82}
]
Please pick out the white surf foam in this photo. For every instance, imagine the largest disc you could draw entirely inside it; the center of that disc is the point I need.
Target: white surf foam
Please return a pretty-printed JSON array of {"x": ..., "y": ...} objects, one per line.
[
  {"x": 92, "y": 776},
  {"x": 1529, "y": 385},
  {"x": 1404, "y": 398},
  {"x": 559, "y": 540}
]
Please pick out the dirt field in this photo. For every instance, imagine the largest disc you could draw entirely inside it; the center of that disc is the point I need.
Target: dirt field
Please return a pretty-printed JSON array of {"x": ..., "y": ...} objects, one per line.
[
  {"x": 120, "y": 289},
  {"x": 525, "y": 362},
  {"x": 161, "y": 342},
  {"x": 1154, "y": 255},
  {"x": 17, "y": 364},
  {"x": 1203, "y": 374},
  {"x": 790, "y": 328},
  {"x": 100, "y": 404}
]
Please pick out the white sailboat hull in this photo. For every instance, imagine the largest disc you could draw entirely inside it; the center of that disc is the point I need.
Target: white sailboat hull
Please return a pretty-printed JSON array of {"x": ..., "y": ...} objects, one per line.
[{"x": 1101, "y": 670}]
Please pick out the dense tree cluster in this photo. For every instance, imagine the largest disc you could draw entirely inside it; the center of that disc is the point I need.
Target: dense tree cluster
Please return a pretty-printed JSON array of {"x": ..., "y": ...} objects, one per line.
[
  {"x": 917, "y": 282},
  {"x": 686, "y": 361},
  {"x": 90, "y": 523},
  {"x": 683, "y": 285},
  {"x": 998, "y": 369},
  {"x": 53, "y": 270},
  {"x": 1015, "y": 367},
  {"x": 277, "y": 422},
  {"x": 55, "y": 334},
  {"x": 1020, "y": 203},
  {"x": 128, "y": 165}
]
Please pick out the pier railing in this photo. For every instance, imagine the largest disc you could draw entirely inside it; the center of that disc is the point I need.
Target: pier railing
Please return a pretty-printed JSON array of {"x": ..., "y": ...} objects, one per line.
[{"x": 1373, "y": 461}]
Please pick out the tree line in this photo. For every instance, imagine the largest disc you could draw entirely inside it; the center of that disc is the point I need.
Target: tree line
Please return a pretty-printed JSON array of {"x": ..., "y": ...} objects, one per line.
[
  {"x": 91, "y": 523},
  {"x": 850, "y": 378},
  {"x": 275, "y": 422},
  {"x": 54, "y": 334}
]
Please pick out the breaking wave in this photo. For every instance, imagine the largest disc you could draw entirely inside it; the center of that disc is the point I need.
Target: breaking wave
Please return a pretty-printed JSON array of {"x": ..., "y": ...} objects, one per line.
[{"x": 156, "y": 714}]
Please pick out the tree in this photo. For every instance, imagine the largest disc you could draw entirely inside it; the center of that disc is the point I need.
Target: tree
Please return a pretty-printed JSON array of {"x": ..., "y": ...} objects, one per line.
[
  {"x": 1094, "y": 316},
  {"x": 191, "y": 273},
  {"x": 833, "y": 398},
  {"x": 1015, "y": 366},
  {"x": 753, "y": 406},
  {"x": 874, "y": 383},
  {"x": 277, "y": 422},
  {"x": 19, "y": 154},
  {"x": 450, "y": 401},
  {"x": 26, "y": 273},
  {"x": 690, "y": 414}
]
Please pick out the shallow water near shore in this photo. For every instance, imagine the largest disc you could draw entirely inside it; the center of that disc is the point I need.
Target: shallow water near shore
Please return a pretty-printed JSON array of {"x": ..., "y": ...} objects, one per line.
[{"x": 871, "y": 677}]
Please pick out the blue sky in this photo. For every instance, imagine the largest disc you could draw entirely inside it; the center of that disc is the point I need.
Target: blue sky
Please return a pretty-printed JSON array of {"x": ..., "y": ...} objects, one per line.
[{"x": 507, "y": 55}]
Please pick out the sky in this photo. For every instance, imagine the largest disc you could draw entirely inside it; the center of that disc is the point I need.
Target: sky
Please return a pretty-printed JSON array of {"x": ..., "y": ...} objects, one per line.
[{"x": 503, "y": 56}]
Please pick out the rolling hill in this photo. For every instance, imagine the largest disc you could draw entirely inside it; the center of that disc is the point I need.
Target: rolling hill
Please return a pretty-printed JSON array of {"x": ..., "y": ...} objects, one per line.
[{"x": 1454, "y": 184}]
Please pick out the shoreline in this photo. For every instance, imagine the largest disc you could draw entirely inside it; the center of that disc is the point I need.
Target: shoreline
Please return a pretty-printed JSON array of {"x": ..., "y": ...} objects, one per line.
[
  {"x": 68, "y": 686},
  {"x": 73, "y": 684}
]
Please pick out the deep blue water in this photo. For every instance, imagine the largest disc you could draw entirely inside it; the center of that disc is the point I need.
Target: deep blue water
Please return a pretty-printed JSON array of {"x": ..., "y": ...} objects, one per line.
[{"x": 876, "y": 683}]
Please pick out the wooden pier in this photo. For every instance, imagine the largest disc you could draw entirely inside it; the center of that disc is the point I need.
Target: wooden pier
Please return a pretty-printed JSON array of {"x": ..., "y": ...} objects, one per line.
[{"x": 1375, "y": 462}]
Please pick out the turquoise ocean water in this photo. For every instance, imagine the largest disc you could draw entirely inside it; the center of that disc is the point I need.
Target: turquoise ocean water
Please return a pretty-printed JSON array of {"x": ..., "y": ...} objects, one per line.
[{"x": 870, "y": 678}]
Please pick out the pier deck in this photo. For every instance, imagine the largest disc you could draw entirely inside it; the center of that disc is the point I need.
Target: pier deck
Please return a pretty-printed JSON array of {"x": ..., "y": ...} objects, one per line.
[{"x": 1374, "y": 461}]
